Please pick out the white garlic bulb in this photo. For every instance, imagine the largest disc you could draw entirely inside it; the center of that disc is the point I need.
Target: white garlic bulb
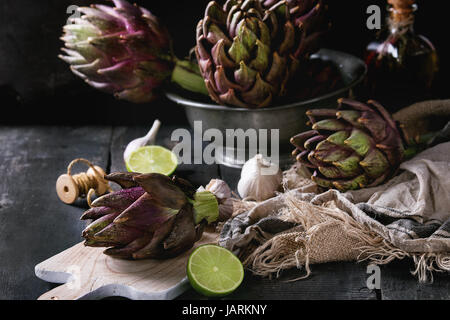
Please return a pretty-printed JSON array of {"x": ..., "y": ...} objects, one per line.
[
  {"x": 260, "y": 179},
  {"x": 219, "y": 188}
]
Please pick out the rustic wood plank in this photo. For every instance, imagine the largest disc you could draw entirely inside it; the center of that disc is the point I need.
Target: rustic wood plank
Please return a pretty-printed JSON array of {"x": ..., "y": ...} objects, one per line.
[
  {"x": 397, "y": 283},
  {"x": 333, "y": 281},
  {"x": 34, "y": 223}
]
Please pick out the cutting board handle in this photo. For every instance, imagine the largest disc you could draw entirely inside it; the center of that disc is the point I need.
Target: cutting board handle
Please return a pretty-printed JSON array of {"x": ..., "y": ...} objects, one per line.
[{"x": 66, "y": 292}]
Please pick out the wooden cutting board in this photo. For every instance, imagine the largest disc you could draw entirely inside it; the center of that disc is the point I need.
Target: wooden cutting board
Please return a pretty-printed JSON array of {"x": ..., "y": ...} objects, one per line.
[{"x": 89, "y": 274}]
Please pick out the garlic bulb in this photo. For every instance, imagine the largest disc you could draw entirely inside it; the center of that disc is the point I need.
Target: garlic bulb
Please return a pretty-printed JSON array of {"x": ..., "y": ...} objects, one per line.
[
  {"x": 260, "y": 179},
  {"x": 222, "y": 191}
]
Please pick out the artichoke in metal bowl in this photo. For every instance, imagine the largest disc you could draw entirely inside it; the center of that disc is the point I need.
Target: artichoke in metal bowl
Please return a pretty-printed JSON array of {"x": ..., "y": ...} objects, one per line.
[{"x": 248, "y": 52}]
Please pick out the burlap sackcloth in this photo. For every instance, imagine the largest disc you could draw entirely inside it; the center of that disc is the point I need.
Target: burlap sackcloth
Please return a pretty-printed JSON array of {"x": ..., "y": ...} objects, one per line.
[{"x": 407, "y": 217}]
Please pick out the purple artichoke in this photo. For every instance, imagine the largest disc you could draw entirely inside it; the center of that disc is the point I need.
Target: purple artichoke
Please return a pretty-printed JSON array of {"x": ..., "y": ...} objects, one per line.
[
  {"x": 248, "y": 53},
  {"x": 125, "y": 51},
  {"x": 356, "y": 146},
  {"x": 154, "y": 217}
]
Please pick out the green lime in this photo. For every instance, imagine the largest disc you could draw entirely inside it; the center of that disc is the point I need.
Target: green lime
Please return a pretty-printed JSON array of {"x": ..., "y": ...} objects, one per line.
[
  {"x": 152, "y": 159},
  {"x": 214, "y": 271}
]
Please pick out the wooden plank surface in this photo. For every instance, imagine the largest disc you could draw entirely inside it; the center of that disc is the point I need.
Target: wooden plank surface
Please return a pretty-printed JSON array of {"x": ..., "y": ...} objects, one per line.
[
  {"x": 397, "y": 283},
  {"x": 334, "y": 281},
  {"x": 34, "y": 223}
]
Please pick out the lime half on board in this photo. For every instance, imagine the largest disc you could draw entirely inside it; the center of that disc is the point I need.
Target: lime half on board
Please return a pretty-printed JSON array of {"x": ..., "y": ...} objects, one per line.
[
  {"x": 214, "y": 271},
  {"x": 152, "y": 159}
]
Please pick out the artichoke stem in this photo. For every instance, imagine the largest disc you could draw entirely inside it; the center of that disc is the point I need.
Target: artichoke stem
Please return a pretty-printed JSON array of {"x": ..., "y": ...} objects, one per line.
[
  {"x": 206, "y": 207},
  {"x": 416, "y": 120},
  {"x": 418, "y": 144},
  {"x": 187, "y": 75}
]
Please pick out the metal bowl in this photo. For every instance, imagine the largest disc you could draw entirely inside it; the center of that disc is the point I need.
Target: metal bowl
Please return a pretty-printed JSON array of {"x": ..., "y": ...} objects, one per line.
[{"x": 290, "y": 118}]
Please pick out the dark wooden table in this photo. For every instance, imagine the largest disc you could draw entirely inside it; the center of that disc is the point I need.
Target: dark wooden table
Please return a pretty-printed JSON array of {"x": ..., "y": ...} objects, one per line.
[{"x": 35, "y": 225}]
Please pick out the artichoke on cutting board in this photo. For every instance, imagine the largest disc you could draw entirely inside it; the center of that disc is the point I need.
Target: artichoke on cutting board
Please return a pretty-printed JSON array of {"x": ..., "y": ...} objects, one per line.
[{"x": 153, "y": 216}]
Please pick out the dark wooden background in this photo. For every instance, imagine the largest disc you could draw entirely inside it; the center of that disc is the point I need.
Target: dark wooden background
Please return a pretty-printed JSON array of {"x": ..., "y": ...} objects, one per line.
[
  {"x": 50, "y": 94},
  {"x": 49, "y": 117}
]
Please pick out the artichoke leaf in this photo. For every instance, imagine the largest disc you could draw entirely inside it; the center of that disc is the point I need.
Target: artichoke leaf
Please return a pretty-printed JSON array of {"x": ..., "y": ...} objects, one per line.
[
  {"x": 215, "y": 12},
  {"x": 146, "y": 214},
  {"x": 330, "y": 125},
  {"x": 359, "y": 141},
  {"x": 162, "y": 190},
  {"x": 329, "y": 152},
  {"x": 119, "y": 200},
  {"x": 183, "y": 232},
  {"x": 311, "y": 143},
  {"x": 98, "y": 212},
  {"x": 375, "y": 163},
  {"x": 154, "y": 248},
  {"x": 123, "y": 179},
  {"x": 299, "y": 140},
  {"x": 238, "y": 51},
  {"x": 98, "y": 225},
  {"x": 353, "y": 184},
  {"x": 126, "y": 252},
  {"x": 261, "y": 60},
  {"x": 322, "y": 182},
  {"x": 245, "y": 76},
  {"x": 339, "y": 138},
  {"x": 220, "y": 56}
]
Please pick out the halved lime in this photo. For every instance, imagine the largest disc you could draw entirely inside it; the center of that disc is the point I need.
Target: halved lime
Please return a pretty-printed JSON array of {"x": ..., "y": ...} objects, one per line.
[
  {"x": 214, "y": 271},
  {"x": 152, "y": 159}
]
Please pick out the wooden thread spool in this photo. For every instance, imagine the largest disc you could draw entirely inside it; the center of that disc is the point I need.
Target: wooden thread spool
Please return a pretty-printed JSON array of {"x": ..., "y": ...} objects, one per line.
[{"x": 70, "y": 187}]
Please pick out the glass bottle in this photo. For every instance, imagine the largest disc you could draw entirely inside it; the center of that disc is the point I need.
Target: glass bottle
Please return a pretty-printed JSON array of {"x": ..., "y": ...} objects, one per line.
[{"x": 401, "y": 65}]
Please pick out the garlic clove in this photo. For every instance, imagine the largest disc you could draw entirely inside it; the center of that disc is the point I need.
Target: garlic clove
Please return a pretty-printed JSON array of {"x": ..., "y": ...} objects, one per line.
[
  {"x": 219, "y": 188},
  {"x": 149, "y": 139}
]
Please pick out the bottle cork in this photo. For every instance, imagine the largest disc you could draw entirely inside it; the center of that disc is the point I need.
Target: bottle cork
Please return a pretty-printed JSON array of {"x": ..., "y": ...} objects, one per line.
[{"x": 402, "y": 9}]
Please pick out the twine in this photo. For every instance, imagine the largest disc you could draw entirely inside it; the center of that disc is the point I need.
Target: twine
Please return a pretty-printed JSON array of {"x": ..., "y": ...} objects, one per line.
[{"x": 87, "y": 183}]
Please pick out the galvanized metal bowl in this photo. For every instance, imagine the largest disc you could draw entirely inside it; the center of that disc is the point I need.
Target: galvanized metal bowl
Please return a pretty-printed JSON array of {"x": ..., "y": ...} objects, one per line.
[{"x": 290, "y": 118}]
